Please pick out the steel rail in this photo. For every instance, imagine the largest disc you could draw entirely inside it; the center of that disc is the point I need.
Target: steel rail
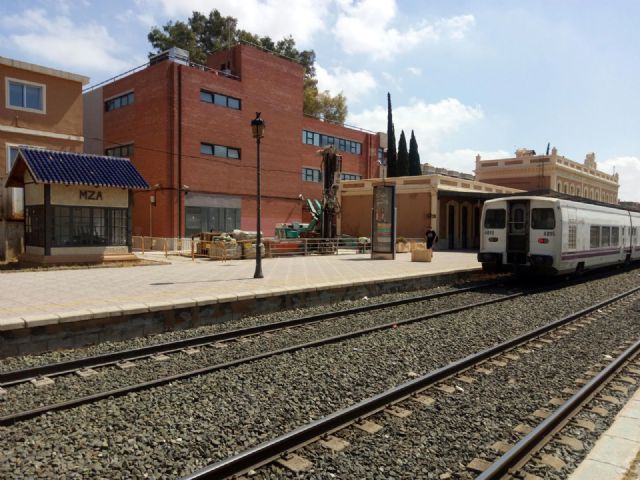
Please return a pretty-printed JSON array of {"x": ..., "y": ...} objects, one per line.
[
  {"x": 62, "y": 368},
  {"x": 27, "y": 414},
  {"x": 273, "y": 449},
  {"x": 535, "y": 439}
]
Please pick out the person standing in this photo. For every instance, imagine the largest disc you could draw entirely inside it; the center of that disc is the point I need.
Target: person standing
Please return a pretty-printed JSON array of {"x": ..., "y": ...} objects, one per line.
[{"x": 432, "y": 238}]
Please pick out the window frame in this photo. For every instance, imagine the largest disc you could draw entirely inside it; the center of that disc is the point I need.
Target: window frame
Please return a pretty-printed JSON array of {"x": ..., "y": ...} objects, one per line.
[
  {"x": 213, "y": 153},
  {"x": 224, "y": 102},
  {"x": 494, "y": 226},
  {"x": 535, "y": 224},
  {"x": 128, "y": 146},
  {"x": 311, "y": 174},
  {"x": 42, "y": 86},
  {"x": 120, "y": 96}
]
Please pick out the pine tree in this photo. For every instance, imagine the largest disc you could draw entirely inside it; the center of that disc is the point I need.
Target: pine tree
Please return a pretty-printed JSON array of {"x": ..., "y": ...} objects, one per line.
[
  {"x": 403, "y": 156},
  {"x": 391, "y": 142},
  {"x": 414, "y": 157}
]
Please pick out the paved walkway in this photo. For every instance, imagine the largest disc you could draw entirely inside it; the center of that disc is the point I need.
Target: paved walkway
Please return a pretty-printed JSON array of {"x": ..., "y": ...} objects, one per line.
[
  {"x": 616, "y": 455},
  {"x": 46, "y": 297}
]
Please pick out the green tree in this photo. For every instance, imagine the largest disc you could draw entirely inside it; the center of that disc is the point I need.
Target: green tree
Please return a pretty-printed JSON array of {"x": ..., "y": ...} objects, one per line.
[
  {"x": 202, "y": 34},
  {"x": 391, "y": 142},
  {"x": 403, "y": 156},
  {"x": 414, "y": 157}
]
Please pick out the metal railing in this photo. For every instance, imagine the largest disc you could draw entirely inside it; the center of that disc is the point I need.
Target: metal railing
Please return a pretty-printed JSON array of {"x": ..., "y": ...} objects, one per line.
[{"x": 272, "y": 247}]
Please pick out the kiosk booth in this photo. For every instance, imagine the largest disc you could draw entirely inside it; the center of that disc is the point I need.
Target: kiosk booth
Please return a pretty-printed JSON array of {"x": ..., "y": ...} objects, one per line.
[{"x": 77, "y": 206}]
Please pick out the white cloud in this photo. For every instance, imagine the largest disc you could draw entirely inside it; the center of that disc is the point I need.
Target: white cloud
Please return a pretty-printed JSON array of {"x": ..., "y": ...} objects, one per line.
[
  {"x": 60, "y": 42},
  {"x": 629, "y": 170},
  {"x": 430, "y": 121},
  {"x": 276, "y": 18},
  {"x": 353, "y": 84},
  {"x": 363, "y": 26},
  {"x": 415, "y": 71}
]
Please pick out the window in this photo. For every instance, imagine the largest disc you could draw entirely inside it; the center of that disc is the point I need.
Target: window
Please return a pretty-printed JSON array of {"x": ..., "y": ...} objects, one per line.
[
  {"x": 573, "y": 231},
  {"x": 311, "y": 175},
  {"x": 615, "y": 236},
  {"x": 381, "y": 156},
  {"x": 495, "y": 218},
  {"x": 220, "y": 99},
  {"x": 119, "y": 102},
  {"x": 605, "y": 237},
  {"x": 594, "y": 236},
  {"x": 125, "y": 151},
  {"x": 350, "y": 176},
  {"x": 321, "y": 140},
  {"x": 34, "y": 226},
  {"x": 543, "y": 219},
  {"x": 89, "y": 226},
  {"x": 25, "y": 95},
  {"x": 211, "y": 219},
  {"x": 220, "y": 151}
]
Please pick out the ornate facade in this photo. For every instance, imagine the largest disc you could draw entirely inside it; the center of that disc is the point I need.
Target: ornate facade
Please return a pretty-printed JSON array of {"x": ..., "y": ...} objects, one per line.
[{"x": 530, "y": 172}]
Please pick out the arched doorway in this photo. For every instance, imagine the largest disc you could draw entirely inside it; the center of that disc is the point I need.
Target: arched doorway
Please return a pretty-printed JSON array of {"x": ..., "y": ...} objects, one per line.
[
  {"x": 464, "y": 223},
  {"x": 451, "y": 226}
]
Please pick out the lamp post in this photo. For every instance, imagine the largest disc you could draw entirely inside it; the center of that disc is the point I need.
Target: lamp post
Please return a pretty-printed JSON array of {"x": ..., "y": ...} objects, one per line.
[{"x": 257, "y": 129}]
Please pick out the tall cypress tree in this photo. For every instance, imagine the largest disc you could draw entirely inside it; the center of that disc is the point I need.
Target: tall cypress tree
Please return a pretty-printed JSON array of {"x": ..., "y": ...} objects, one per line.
[
  {"x": 414, "y": 156},
  {"x": 392, "y": 168},
  {"x": 403, "y": 156}
]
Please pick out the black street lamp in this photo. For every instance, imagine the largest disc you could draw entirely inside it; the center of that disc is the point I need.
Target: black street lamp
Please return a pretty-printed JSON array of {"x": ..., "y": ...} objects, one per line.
[{"x": 257, "y": 128}]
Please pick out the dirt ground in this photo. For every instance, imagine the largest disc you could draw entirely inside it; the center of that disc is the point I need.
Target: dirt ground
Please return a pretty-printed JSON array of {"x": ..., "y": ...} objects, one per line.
[{"x": 32, "y": 267}]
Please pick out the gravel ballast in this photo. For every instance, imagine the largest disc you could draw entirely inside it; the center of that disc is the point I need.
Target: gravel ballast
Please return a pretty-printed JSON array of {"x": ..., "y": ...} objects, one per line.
[{"x": 176, "y": 429}]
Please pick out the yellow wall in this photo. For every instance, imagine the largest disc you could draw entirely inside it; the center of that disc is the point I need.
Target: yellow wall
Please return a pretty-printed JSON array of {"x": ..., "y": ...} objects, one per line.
[{"x": 70, "y": 195}]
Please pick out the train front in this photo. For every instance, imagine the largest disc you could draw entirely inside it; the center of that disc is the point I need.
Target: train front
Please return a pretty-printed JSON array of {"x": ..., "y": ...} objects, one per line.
[{"x": 519, "y": 234}]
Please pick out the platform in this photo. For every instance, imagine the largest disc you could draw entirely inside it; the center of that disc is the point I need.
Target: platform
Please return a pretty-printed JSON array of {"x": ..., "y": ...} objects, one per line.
[{"x": 47, "y": 310}]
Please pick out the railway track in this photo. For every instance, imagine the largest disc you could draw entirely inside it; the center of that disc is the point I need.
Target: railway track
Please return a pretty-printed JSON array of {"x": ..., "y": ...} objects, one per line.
[
  {"x": 52, "y": 370},
  {"x": 84, "y": 366},
  {"x": 282, "y": 447}
]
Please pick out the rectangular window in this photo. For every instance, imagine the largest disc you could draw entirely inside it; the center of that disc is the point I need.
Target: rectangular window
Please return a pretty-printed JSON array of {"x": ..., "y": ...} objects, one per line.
[
  {"x": 211, "y": 219},
  {"x": 542, "y": 219},
  {"x": 615, "y": 236},
  {"x": 380, "y": 156},
  {"x": 34, "y": 226},
  {"x": 350, "y": 176},
  {"x": 594, "y": 236},
  {"x": 322, "y": 140},
  {"x": 89, "y": 226},
  {"x": 605, "y": 237},
  {"x": 220, "y": 151},
  {"x": 573, "y": 231},
  {"x": 220, "y": 99},
  {"x": 311, "y": 175},
  {"x": 25, "y": 95},
  {"x": 118, "y": 102},
  {"x": 495, "y": 218},
  {"x": 124, "y": 151}
]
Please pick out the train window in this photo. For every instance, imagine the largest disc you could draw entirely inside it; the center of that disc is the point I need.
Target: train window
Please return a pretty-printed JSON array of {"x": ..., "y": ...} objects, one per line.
[
  {"x": 594, "y": 236},
  {"x": 606, "y": 236},
  {"x": 495, "y": 218},
  {"x": 543, "y": 219},
  {"x": 615, "y": 236},
  {"x": 573, "y": 234}
]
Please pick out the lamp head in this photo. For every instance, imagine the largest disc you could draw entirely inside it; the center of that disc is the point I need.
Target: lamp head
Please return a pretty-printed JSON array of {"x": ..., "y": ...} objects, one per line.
[{"x": 257, "y": 126}]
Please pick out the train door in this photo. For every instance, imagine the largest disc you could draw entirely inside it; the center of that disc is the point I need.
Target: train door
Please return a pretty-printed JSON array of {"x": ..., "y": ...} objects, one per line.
[{"x": 518, "y": 233}]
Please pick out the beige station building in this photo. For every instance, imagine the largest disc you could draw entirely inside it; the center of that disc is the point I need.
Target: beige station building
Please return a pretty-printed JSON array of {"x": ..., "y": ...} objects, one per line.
[
  {"x": 530, "y": 172},
  {"x": 451, "y": 202}
]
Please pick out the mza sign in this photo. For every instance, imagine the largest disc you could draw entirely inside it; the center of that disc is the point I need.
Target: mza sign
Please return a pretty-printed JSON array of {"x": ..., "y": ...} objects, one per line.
[{"x": 90, "y": 195}]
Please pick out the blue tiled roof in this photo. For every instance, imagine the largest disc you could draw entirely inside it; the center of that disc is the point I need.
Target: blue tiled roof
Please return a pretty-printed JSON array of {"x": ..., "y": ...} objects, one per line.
[{"x": 71, "y": 168}]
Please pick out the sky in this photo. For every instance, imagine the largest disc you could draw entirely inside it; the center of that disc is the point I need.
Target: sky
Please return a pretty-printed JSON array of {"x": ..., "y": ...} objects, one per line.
[{"x": 468, "y": 76}]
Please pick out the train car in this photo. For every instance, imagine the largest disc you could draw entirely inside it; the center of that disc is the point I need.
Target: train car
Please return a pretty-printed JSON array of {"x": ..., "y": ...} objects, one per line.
[{"x": 556, "y": 236}]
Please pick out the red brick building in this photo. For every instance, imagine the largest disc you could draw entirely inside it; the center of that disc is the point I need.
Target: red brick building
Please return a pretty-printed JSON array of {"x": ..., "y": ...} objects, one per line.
[{"x": 187, "y": 129}]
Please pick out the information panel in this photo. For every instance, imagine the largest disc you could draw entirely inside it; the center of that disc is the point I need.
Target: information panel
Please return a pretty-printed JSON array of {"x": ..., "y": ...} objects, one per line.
[{"x": 383, "y": 230}]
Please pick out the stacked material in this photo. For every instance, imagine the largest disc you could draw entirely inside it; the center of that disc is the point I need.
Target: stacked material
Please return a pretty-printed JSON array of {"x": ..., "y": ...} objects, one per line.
[{"x": 224, "y": 247}]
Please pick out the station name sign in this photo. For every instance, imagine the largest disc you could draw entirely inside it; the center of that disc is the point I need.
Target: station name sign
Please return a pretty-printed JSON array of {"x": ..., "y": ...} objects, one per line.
[{"x": 90, "y": 195}]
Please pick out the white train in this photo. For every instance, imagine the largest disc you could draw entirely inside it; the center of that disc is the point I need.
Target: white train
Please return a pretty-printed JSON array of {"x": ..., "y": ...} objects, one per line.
[{"x": 552, "y": 235}]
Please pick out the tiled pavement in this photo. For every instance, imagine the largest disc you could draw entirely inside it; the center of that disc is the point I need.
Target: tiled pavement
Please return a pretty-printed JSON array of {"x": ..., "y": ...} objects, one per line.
[{"x": 32, "y": 298}]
